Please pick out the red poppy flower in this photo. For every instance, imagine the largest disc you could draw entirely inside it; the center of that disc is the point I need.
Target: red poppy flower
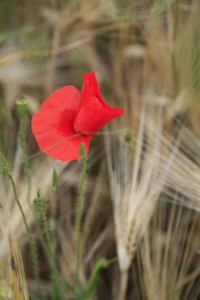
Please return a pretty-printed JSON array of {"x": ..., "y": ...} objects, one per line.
[{"x": 68, "y": 118}]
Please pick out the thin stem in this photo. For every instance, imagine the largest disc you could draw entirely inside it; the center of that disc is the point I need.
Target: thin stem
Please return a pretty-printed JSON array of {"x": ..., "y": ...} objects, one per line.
[
  {"x": 53, "y": 207},
  {"x": 22, "y": 107},
  {"x": 53, "y": 217},
  {"x": 48, "y": 247},
  {"x": 22, "y": 133},
  {"x": 51, "y": 260},
  {"x": 46, "y": 227},
  {"x": 79, "y": 216},
  {"x": 123, "y": 285},
  {"x": 30, "y": 237},
  {"x": 47, "y": 242}
]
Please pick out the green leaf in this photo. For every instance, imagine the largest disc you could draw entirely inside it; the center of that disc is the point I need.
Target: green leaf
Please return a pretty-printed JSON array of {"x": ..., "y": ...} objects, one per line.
[
  {"x": 91, "y": 285},
  {"x": 70, "y": 287}
]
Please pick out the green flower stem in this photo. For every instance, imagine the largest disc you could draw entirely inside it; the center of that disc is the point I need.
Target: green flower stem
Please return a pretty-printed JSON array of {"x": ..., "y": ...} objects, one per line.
[
  {"x": 79, "y": 216},
  {"x": 53, "y": 206},
  {"x": 46, "y": 228},
  {"x": 39, "y": 207},
  {"x": 30, "y": 237},
  {"x": 22, "y": 142},
  {"x": 46, "y": 244},
  {"x": 22, "y": 108},
  {"x": 49, "y": 251}
]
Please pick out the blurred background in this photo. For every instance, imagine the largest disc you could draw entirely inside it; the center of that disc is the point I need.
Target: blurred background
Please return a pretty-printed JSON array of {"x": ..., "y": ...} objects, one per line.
[{"x": 140, "y": 222}]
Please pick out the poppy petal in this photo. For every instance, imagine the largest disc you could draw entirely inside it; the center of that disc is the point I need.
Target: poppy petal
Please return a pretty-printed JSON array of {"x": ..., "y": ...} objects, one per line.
[
  {"x": 53, "y": 125},
  {"x": 92, "y": 116},
  {"x": 91, "y": 89}
]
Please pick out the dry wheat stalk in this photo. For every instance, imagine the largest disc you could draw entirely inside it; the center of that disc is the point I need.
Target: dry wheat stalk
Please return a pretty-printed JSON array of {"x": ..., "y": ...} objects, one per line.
[
  {"x": 167, "y": 254},
  {"x": 137, "y": 180}
]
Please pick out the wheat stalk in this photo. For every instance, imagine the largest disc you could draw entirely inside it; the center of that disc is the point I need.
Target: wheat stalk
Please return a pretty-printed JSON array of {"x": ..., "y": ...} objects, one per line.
[{"x": 137, "y": 180}]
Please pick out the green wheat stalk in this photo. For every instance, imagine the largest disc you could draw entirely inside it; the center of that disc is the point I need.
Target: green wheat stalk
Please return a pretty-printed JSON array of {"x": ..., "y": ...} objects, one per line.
[
  {"x": 22, "y": 109},
  {"x": 6, "y": 171}
]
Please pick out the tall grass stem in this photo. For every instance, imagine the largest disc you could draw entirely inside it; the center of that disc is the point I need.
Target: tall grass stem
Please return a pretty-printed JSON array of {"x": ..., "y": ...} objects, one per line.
[
  {"x": 22, "y": 108},
  {"x": 123, "y": 285},
  {"x": 30, "y": 237},
  {"x": 79, "y": 216}
]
